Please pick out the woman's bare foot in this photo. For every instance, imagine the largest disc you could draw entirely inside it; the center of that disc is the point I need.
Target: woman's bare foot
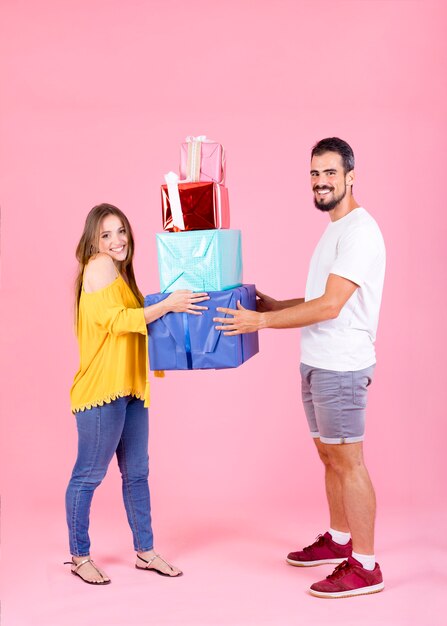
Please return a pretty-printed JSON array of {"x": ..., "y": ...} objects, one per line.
[
  {"x": 88, "y": 571},
  {"x": 150, "y": 560}
]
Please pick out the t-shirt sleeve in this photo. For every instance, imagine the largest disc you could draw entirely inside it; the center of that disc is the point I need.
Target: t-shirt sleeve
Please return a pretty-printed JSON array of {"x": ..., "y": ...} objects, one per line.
[
  {"x": 108, "y": 310},
  {"x": 357, "y": 253}
]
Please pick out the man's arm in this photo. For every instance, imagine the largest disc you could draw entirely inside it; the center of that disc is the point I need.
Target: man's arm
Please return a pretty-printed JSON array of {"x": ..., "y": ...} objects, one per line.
[
  {"x": 285, "y": 304},
  {"x": 326, "y": 307},
  {"x": 266, "y": 303}
]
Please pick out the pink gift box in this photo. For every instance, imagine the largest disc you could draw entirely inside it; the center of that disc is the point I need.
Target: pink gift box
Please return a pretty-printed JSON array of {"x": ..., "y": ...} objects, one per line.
[{"x": 202, "y": 163}]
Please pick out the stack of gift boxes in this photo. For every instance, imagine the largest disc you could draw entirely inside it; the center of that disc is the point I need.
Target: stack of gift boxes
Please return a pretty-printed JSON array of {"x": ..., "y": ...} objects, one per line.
[{"x": 199, "y": 251}]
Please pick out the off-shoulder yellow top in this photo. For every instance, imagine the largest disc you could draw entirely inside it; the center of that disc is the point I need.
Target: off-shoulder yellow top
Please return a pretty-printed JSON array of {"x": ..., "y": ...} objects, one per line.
[{"x": 112, "y": 337}]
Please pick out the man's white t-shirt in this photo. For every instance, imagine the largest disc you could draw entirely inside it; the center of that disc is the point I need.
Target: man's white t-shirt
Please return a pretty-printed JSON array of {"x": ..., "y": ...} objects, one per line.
[{"x": 351, "y": 247}]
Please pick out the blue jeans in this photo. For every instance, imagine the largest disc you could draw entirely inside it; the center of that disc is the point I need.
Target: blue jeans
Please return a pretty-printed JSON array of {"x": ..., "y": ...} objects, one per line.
[{"x": 122, "y": 427}]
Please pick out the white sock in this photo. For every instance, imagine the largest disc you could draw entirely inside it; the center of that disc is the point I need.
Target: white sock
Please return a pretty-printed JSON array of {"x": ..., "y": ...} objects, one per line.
[
  {"x": 339, "y": 537},
  {"x": 367, "y": 560}
]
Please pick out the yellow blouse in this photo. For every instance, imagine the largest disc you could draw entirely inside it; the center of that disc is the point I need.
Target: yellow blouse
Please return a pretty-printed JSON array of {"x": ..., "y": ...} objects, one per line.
[{"x": 112, "y": 338}]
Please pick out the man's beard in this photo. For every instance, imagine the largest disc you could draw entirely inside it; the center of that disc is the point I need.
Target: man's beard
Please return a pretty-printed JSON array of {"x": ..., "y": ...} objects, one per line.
[{"x": 329, "y": 205}]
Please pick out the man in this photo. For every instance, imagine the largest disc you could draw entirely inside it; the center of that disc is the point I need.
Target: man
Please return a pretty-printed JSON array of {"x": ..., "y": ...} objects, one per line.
[{"x": 338, "y": 317}]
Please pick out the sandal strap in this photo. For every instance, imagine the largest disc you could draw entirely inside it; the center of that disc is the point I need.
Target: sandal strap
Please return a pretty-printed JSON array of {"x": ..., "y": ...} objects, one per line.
[
  {"x": 79, "y": 565},
  {"x": 165, "y": 561},
  {"x": 149, "y": 562}
]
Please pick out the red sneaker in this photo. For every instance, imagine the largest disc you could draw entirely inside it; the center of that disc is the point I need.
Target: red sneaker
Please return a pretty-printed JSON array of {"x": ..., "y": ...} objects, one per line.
[
  {"x": 349, "y": 579},
  {"x": 322, "y": 551}
]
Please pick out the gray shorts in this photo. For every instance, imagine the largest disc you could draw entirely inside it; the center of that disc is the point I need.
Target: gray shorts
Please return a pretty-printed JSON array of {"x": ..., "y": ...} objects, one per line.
[{"x": 335, "y": 403}]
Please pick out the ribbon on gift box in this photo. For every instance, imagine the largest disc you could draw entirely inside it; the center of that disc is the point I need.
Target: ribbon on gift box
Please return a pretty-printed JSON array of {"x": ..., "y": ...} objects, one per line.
[
  {"x": 213, "y": 336},
  {"x": 195, "y": 157},
  {"x": 218, "y": 205},
  {"x": 172, "y": 181}
]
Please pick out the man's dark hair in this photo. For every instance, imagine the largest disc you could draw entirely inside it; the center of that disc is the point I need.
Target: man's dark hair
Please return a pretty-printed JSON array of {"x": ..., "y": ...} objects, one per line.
[{"x": 334, "y": 144}]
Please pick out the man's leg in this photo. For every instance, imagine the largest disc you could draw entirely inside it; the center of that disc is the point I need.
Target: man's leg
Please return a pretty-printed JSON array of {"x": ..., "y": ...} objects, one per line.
[
  {"x": 325, "y": 549},
  {"x": 334, "y": 491},
  {"x": 348, "y": 482},
  {"x": 359, "y": 574}
]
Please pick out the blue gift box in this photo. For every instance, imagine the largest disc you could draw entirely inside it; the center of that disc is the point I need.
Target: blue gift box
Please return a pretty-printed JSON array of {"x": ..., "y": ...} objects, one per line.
[
  {"x": 180, "y": 341},
  {"x": 200, "y": 260}
]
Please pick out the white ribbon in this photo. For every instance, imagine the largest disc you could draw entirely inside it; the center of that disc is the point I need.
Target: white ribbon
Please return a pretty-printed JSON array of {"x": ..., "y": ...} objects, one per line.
[
  {"x": 195, "y": 156},
  {"x": 218, "y": 205},
  {"x": 194, "y": 160},
  {"x": 172, "y": 181},
  {"x": 202, "y": 138}
]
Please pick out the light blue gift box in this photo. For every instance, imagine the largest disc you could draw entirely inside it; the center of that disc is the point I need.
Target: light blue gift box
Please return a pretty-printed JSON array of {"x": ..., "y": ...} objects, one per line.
[{"x": 200, "y": 260}]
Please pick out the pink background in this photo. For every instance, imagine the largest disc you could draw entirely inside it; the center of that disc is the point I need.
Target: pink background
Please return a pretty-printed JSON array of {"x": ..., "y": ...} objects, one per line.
[{"x": 95, "y": 99}]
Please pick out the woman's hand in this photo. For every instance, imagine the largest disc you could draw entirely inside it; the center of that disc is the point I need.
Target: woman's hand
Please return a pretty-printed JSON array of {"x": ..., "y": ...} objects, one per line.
[{"x": 186, "y": 301}]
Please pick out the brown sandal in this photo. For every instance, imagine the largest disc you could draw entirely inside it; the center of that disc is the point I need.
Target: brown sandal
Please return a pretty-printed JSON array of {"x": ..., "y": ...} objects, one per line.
[
  {"x": 75, "y": 572},
  {"x": 153, "y": 569}
]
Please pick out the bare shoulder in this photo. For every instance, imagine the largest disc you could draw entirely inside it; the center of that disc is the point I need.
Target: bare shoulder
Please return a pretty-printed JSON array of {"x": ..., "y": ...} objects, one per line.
[{"x": 99, "y": 273}]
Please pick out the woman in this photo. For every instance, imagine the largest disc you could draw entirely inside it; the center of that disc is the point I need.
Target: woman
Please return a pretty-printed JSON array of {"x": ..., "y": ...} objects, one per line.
[{"x": 110, "y": 392}]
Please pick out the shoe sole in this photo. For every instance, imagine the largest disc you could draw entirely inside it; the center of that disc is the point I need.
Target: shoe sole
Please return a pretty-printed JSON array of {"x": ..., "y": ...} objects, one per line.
[
  {"x": 363, "y": 591},
  {"x": 313, "y": 563}
]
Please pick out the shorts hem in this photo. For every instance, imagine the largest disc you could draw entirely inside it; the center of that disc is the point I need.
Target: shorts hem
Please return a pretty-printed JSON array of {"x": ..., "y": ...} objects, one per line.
[
  {"x": 340, "y": 440},
  {"x": 315, "y": 435}
]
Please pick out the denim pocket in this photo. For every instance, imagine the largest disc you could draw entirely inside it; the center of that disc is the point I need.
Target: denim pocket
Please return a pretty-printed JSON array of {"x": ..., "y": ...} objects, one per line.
[
  {"x": 326, "y": 385},
  {"x": 361, "y": 380}
]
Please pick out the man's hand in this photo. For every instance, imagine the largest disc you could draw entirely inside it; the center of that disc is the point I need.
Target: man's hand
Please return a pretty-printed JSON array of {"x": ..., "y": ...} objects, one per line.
[
  {"x": 242, "y": 320},
  {"x": 292, "y": 313},
  {"x": 266, "y": 303}
]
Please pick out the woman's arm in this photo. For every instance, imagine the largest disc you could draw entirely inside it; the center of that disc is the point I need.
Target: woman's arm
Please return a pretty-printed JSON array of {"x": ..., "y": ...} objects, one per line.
[
  {"x": 101, "y": 272},
  {"x": 181, "y": 301}
]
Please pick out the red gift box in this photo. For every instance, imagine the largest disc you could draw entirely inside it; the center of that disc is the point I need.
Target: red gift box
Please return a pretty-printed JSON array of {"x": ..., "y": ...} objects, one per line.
[{"x": 204, "y": 206}]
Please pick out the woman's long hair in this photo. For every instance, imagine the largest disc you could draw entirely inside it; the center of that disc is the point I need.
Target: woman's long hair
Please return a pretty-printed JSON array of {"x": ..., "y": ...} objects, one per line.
[{"x": 88, "y": 246}]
